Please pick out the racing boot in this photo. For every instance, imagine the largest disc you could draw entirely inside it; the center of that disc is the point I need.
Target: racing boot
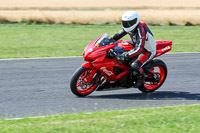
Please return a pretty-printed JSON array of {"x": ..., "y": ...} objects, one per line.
[
  {"x": 138, "y": 73},
  {"x": 139, "y": 80}
]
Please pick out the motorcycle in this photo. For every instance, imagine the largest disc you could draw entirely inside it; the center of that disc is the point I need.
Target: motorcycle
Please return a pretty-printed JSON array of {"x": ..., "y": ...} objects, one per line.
[{"x": 105, "y": 72}]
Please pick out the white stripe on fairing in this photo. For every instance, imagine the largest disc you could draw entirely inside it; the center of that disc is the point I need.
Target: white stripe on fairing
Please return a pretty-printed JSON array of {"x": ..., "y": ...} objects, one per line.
[{"x": 78, "y": 57}]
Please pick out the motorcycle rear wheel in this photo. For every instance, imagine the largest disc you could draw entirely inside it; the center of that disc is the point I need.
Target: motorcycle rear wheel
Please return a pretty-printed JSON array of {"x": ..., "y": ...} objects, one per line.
[
  {"x": 160, "y": 69},
  {"x": 79, "y": 85}
]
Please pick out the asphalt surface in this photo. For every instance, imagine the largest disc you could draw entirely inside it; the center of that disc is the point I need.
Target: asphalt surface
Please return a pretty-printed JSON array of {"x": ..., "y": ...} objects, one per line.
[{"x": 38, "y": 87}]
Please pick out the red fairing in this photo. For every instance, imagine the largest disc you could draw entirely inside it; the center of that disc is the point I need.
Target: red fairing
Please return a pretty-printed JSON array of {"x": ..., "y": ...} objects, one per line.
[
  {"x": 95, "y": 55},
  {"x": 106, "y": 68},
  {"x": 90, "y": 46},
  {"x": 97, "y": 61},
  {"x": 98, "y": 54},
  {"x": 86, "y": 65},
  {"x": 162, "y": 47}
]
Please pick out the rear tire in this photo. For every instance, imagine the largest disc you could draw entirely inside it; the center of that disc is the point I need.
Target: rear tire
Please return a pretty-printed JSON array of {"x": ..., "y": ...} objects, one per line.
[
  {"x": 79, "y": 86},
  {"x": 156, "y": 66}
]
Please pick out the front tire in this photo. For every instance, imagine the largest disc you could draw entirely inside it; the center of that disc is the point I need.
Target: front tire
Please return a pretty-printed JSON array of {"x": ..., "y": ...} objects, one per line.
[
  {"x": 160, "y": 69},
  {"x": 79, "y": 85}
]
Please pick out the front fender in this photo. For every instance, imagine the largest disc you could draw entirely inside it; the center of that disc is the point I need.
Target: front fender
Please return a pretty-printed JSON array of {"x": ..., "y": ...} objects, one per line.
[
  {"x": 87, "y": 65},
  {"x": 93, "y": 71}
]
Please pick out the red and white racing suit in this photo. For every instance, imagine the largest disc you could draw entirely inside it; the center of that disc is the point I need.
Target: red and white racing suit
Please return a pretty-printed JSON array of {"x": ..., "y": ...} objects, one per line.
[{"x": 144, "y": 44}]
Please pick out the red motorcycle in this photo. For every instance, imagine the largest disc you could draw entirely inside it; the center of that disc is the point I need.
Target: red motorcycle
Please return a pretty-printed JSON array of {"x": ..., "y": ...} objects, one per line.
[{"x": 104, "y": 72}]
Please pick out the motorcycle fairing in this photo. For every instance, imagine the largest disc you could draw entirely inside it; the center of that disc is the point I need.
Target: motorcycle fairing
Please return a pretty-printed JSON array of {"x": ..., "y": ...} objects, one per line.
[
  {"x": 162, "y": 47},
  {"x": 107, "y": 69},
  {"x": 96, "y": 56}
]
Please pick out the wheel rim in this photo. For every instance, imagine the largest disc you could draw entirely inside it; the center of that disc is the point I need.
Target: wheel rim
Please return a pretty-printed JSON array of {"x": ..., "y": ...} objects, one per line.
[
  {"x": 160, "y": 72},
  {"x": 82, "y": 86}
]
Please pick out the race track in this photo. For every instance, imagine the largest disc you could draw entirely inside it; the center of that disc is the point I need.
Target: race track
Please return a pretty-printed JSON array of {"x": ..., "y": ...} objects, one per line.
[{"x": 38, "y": 87}]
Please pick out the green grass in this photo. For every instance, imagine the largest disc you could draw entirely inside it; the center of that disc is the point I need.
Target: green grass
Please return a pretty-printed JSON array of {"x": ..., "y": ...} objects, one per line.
[
  {"x": 180, "y": 119},
  {"x": 26, "y": 41}
]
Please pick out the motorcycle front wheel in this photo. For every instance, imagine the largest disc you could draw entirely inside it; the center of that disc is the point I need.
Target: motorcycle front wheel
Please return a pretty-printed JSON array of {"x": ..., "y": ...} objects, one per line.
[{"x": 79, "y": 85}]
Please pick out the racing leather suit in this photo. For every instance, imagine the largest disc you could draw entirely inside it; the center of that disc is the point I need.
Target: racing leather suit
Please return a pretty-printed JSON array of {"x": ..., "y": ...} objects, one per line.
[{"x": 143, "y": 42}]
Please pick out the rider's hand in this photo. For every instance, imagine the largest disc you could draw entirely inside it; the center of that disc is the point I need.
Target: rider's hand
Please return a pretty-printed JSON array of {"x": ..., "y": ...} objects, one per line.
[
  {"x": 110, "y": 38},
  {"x": 123, "y": 57},
  {"x": 111, "y": 54}
]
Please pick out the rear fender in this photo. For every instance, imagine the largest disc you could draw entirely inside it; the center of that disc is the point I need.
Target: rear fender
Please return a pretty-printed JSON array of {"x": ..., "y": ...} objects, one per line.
[
  {"x": 93, "y": 71},
  {"x": 149, "y": 64},
  {"x": 162, "y": 47}
]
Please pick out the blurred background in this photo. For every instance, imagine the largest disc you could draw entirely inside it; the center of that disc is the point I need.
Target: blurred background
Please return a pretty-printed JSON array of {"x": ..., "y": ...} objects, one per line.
[
  {"x": 155, "y": 12},
  {"x": 59, "y": 28}
]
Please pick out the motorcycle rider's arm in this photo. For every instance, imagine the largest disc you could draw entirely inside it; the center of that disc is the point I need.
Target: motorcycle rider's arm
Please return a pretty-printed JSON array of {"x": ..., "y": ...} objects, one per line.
[
  {"x": 119, "y": 35},
  {"x": 139, "y": 44}
]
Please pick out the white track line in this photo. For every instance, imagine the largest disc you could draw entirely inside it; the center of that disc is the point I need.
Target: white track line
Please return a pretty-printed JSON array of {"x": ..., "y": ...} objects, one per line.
[
  {"x": 102, "y": 111},
  {"x": 41, "y": 58}
]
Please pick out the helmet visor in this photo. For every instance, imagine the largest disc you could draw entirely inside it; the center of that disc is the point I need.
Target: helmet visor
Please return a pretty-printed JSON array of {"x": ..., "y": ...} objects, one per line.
[{"x": 127, "y": 24}]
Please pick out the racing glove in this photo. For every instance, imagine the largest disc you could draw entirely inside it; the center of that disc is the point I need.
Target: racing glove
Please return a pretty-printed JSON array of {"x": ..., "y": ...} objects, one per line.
[
  {"x": 123, "y": 57},
  {"x": 111, "y": 54}
]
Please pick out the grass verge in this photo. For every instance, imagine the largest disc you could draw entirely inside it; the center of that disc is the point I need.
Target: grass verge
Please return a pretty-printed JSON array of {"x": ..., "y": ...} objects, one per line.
[
  {"x": 180, "y": 119},
  {"x": 27, "y": 41}
]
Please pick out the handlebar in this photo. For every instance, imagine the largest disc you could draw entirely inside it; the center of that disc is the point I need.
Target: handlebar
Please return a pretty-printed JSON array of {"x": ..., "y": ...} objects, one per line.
[{"x": 112, "y": 53}]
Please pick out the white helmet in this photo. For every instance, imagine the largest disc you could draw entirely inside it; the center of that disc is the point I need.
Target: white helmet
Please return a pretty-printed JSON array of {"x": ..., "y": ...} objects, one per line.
[{"x": 130, "y": 20}]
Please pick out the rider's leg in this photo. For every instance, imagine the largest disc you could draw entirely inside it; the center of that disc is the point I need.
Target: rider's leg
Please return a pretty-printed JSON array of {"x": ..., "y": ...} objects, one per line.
[{"x": 136, "y": 67}]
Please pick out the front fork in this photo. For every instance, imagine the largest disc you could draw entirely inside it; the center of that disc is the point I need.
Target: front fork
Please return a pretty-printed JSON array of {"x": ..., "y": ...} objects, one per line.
[{"x": 92, "y": 74}]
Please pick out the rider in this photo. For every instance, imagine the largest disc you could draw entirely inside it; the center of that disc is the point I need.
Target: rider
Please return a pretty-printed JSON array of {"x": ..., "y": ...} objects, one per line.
[{"x": 142, "y": 40}]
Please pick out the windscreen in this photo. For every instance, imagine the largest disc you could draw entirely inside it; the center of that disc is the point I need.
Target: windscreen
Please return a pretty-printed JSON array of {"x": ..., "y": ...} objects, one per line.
[{"x": 104, "y": 40}]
